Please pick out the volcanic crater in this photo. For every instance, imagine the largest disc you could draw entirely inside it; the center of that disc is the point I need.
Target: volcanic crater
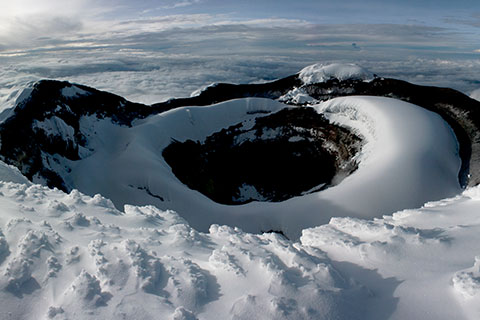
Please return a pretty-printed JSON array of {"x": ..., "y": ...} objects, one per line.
[{"x": 289, "y": 153}]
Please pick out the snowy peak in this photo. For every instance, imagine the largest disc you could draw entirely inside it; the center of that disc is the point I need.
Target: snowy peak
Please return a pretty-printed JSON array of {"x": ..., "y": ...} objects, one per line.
[
  {"x": 320, "y": 73},
  {"x": 46, "y": 122}
]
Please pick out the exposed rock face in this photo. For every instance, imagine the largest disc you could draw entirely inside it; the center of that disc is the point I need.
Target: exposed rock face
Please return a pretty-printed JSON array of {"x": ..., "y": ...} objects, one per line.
[{"x": 286, "y": 154}]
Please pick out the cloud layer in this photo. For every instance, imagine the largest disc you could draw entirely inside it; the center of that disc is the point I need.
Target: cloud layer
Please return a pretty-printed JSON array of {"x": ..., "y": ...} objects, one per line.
[{"x": 149, "y": 53}]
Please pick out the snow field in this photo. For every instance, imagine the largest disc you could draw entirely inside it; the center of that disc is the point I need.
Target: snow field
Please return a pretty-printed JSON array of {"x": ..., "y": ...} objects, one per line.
[{"x": 70, "y": 256}]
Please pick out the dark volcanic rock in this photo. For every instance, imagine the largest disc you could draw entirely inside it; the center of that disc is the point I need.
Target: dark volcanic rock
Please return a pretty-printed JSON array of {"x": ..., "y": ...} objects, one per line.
[
  {"x": 225, "y": 91},
  {"x": 286, "y": 154}
]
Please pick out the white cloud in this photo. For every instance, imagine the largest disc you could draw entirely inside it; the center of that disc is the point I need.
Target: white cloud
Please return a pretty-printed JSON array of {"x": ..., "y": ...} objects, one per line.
[
  {"x": 181, "y": 4},
  {"x": 36, "y": 30}
]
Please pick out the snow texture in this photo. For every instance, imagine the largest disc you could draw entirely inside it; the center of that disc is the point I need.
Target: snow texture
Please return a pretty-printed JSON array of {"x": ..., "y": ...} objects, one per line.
[
  {"x": 17, "y": 96},
  {"x": 320, "y": 73},
  {"x": 467, "y": 282},
  {"x": 71, "y": 256}
]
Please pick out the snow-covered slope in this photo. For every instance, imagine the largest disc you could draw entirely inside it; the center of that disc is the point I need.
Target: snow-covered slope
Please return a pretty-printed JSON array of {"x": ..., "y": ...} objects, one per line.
[{"x": 475, "y": 94}]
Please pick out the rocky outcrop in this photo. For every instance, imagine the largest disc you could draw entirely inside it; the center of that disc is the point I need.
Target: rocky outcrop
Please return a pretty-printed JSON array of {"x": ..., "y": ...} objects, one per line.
[{"x": 220, "y": 92}]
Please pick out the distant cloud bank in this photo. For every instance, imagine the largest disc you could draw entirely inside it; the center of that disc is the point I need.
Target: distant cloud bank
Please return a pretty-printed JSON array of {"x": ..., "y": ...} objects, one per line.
[{"x": 157, "y": 52}]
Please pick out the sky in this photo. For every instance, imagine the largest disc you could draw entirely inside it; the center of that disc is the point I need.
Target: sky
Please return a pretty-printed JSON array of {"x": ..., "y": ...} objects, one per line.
[{"x": 151, "y": 50}]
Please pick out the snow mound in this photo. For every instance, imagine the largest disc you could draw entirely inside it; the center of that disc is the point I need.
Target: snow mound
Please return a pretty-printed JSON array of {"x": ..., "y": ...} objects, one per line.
[
  {"x": 467, "y": 282},
  {"x": 10, "y": 173},
  {"x": 467, "y": 286},
  {"x": 71, "y": 256},
  {"x": 320, "y": 73}
]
